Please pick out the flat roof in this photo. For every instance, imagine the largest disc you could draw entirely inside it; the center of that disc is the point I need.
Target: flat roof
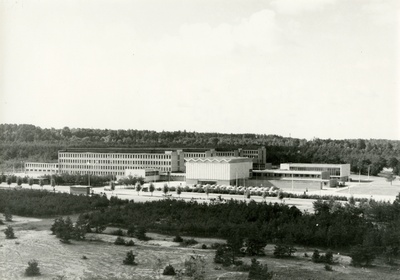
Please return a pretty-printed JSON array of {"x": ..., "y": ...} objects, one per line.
[
  {"x": 117, "y": 150},
  {"x": 220, "y": 159},
  {"x": 284, "y": 171},
  {"x": 316, "y": 164}
]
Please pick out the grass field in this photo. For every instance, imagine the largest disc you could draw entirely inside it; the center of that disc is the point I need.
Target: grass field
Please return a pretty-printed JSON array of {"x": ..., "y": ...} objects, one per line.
[{"x": 104, "y": 259}]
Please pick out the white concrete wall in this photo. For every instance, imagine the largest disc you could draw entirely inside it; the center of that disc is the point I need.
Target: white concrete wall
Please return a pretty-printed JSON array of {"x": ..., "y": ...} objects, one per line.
[
  {"x": 217, "y": 170},
  {"x": 207, "y": 170}
]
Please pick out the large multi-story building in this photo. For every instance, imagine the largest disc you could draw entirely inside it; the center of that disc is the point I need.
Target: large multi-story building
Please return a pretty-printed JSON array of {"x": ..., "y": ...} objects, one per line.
[{"x": 116, "y": 161}]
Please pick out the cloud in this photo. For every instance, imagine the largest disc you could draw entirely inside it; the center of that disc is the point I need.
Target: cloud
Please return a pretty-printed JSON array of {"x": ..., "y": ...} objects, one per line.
[
  {"x": 293, "y": 7},
  {"x": 257, "y": 32}
]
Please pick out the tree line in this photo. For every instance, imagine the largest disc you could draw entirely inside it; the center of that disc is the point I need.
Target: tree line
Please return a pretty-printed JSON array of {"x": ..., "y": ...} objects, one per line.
[
  {"x": 20, "y": 143},
  {"x": 367, "y": 228}
]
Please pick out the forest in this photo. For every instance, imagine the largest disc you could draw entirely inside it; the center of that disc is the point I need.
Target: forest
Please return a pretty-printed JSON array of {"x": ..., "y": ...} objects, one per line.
[
  {"x": 372, "y": 227},
  {"x": 21, "y": 143}
]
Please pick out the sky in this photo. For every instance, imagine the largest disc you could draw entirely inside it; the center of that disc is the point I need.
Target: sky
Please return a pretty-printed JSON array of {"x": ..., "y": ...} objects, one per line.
[{"x": 299, "y": 68}]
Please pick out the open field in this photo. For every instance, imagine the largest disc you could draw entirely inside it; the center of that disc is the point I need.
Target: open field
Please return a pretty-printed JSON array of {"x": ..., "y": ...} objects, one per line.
[{"x": 104, "y": 259}]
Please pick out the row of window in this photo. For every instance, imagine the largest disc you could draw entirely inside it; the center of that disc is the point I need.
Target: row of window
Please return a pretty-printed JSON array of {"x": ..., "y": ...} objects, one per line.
[
  {"x": 41, "y": 165},
  {"x": 84, "y": 168},
  {"x": 332, "y": 171},
  {"x": 96, "y": 162},
  {"x": 113, "y": 155}
]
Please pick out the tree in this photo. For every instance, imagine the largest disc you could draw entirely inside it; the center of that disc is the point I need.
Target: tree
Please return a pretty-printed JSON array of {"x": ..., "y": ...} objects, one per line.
[
  {"x": 165, "y": 189},
  {"x": 53, "y": 184},
  {"x": 284, "y": 250},
  {"x": 248, "y": 195},
  {"x": 112, "y": 185},
  {"x": 130, "y": 258},
  {"x": 33, "y": 268},
  {"x": 41, "y": 183},
  {"x": 7, "y": 214},
  {"x": 259, "y": 272},
  {"x": 131, "y": 230},
  {"x": 207, "y": 190},
  {"x": 19, "y": 181},
  {"x": 30, "y": 182},
  {"x": 151, "y": 188},
  {"x": 264, "y": 195},
  {"x": 195, "y": 267},
  {"x": 179, "y": 191},
  {"x": 169, "y": 270},
  {"x": 234, "y": 244},
  {"x": 119, "y": 241},
  {"x": 9, "y": 232},
  {"x": 9, "y": 180},
  {"x": 362, "y": 255},
  {"x": 223, "y": 255},
  {"x": 138, "y": 187},
  {"x": 141, "y": 234},
  {"x": 255, "y": 243}
]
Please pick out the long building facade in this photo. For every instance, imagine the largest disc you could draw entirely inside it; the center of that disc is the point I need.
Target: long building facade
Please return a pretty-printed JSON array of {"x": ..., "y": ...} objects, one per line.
[
  {"x": 340, "y": 172},
  {"x": 115, "y": 162}
]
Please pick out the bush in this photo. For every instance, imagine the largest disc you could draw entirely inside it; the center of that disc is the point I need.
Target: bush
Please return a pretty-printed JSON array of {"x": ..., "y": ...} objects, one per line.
[
  {"x": 119, "y": 241},
  {"x": 130, "y": 243},
  {"x": 328, "y": 267},
  {"x": 362, "y": 255},
  {"x": 316, "y": 256},
  {"x": 9, "y": 232},
  {"x": 204, "y": 246},
  {"x": 118, "y": 232},
  {"x": 169, "y": 270},
  {"x": 282, "y": 250},
  {"x": 141, "y": 234},
  {"x": 327, "y": 258},
  {"x": 32, "y": 269},
  {"x": 130, "y": 259},
  {"x": 84, "y": 257},
  {"x": 177, "y": 239},
  {"x": 189, "y": 242},
  {"x": 259, "y": 271}
]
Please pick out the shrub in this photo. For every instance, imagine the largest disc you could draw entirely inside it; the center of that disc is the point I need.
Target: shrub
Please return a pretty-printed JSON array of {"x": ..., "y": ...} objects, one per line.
[
  {"x": 316, "y": 256},
  {"x": 130, "y": 259},
  {"x": 282, "y": 250},
  {"x": 118, "y": 232},
  {"x": 362, "y": 255},
  {"x": 141, "y": 234},
  {"x": 119, "y": 241},
  {"x": 178, "y": 239},
  {"x": 328, "y": 267},
  {"x": 131, "y": 230},
  {"x": 215, "y": 245},
  {"x": 84, "y": 257},
  {"x": 329, "y": 257},
  {"x": 130, "y": 243},
  {"x": 9, "y": 232},
  {"x": 169, "y": 270},
  {"x": 189, "y": 242},
  {"x": 32, "y": 269},
  {"x": 223, "y": 256},
  {"x": 204, "y": 246},
  {"x": 259, "y": 271}
]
